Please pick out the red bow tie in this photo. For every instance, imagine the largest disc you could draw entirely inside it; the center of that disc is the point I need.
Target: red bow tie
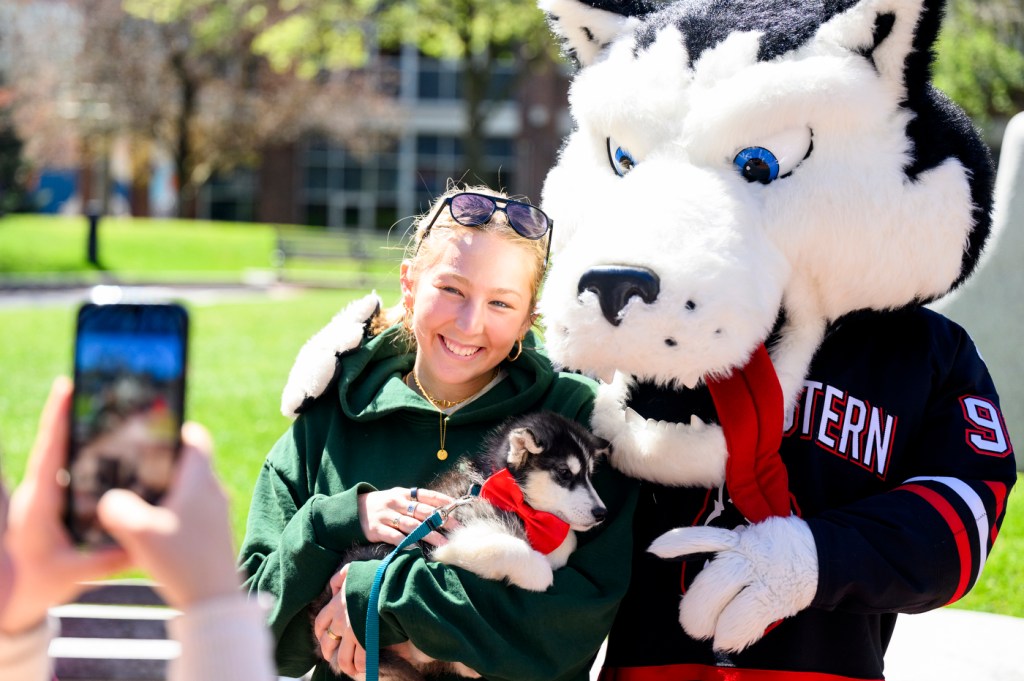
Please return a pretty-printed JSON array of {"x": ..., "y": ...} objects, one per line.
[{"x": 545, "y": 531}]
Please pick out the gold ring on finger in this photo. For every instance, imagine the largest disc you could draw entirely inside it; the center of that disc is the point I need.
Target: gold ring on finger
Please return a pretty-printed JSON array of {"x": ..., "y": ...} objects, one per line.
[
  {"x": 332, "y": 634},
  {"x": 395, "y": 521}
]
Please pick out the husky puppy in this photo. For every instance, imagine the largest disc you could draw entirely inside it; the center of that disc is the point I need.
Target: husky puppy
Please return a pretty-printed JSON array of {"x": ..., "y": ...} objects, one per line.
[{"x": 534, "y": 476}]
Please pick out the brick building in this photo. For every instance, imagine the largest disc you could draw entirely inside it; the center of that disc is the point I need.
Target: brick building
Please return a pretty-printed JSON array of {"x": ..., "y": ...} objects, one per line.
[{"x": 320, "y": 182}]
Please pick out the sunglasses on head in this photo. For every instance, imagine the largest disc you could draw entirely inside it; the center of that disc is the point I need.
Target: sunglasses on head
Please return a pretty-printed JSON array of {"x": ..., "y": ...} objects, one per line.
[{"x": 472, "y": 210}]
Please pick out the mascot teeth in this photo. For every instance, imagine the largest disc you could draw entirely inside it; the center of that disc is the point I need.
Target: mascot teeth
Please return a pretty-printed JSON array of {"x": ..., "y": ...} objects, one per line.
[
  {"x": 634, "y": 420},
  {"x": 690, "y": 382},
  {"x": 650, "y": 447}
]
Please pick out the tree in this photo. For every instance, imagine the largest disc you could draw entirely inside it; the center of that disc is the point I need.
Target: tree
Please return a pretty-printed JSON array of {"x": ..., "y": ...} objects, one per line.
[
  {"x": 479, "y": 33},
  {"x": 44, "y": 37},
  {"x": 980, "y": 57},
  {"x": 325, "y": 34},
  {"x": 12, "y": 180},
  {"x": 183, "y": 76},
  {"x": 229, "y": 103}
]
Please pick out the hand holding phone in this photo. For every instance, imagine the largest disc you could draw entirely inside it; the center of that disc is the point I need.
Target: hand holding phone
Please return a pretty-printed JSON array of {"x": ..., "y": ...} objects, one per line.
[
  {"x": 38, "y": 565},
  {"x": 127, "y": 409},
  {"x": 185, "y": 544}
]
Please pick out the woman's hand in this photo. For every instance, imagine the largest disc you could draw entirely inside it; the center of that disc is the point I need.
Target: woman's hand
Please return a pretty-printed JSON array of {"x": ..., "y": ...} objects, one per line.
[
  {"x": 332, "y": 627},
  {"x": 387, "y": 516},
  {"x": 39, "y": 565},
  {"x": 185, "y": 542}
]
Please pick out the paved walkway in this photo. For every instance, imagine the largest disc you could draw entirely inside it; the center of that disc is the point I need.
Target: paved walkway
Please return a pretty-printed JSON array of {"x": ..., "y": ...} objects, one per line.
[
  {"x": 43, "y": 296},
  {"x": 956, "y": 645},
  {"x": 951, "y": 645}
]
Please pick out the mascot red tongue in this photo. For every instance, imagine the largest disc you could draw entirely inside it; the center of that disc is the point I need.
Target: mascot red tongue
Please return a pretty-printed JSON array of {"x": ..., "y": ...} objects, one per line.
[{"x": 750, "y": 409}]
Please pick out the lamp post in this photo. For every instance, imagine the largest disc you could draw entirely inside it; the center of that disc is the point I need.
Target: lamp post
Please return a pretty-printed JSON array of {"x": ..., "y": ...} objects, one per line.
[{"x": 89, "y": 106}]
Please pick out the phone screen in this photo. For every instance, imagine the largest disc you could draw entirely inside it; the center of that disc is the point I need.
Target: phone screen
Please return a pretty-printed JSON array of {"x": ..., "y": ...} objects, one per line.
[{"x": 127, "y": 409}]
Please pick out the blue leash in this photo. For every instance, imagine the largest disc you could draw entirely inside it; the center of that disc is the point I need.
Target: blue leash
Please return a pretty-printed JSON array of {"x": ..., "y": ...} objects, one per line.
[{"x": 435, "y": 521}]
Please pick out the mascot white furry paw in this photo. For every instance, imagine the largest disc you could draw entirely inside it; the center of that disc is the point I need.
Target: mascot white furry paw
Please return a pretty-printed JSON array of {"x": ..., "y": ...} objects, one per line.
[{"x": 756, "y": 201}]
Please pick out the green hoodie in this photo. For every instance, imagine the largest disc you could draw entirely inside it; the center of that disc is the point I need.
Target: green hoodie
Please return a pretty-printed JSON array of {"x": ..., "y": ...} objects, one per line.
[{"x": 370, "y": 431}]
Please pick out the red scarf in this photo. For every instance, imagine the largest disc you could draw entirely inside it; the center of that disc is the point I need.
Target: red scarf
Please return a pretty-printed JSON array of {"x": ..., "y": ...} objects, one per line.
[
  {"x": 750, "y": 409},
  {"x": 545, "y": 531}
]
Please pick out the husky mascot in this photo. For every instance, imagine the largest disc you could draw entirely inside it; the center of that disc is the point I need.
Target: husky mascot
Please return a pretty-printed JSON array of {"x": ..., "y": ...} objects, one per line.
[{"x": 756, "y": 201}]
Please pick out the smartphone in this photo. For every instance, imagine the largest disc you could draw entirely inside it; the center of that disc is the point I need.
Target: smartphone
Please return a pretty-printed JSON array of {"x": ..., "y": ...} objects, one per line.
[{"x": 127, "y": 408}]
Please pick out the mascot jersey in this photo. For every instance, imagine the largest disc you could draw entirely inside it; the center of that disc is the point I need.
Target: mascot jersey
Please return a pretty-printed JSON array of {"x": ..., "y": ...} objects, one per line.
[
  {"x": 755, "y": 203},
  {"x": 901, "y": 466}
]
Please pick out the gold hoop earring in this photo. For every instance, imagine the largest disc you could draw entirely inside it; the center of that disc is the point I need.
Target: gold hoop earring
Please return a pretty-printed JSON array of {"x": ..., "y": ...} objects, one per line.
[{"x": 518, "y": 352}]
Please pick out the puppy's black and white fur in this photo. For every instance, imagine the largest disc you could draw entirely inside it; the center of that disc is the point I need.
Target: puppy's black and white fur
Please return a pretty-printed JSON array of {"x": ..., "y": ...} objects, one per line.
[{"x": 551, "y": 459}]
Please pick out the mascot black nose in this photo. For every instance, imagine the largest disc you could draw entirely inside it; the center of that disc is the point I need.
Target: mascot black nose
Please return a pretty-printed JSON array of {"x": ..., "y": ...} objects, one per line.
[{"x": 616, "y": 284}]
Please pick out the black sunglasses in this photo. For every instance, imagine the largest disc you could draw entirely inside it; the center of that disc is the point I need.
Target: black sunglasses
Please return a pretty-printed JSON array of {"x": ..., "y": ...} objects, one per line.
[{"x": 472, "y": 210}]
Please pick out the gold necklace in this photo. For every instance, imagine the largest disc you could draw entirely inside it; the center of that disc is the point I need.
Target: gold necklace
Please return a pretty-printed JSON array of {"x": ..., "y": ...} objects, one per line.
[{"x": 440, "y": 405}]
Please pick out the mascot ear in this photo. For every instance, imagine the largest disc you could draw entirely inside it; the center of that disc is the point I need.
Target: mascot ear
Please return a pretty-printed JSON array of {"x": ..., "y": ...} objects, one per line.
[
  {"x": 587, "y": 27},
  {"x": 896, "y": 36}
]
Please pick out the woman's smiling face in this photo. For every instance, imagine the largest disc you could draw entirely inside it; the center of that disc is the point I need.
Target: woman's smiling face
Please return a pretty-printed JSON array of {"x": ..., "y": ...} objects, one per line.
[{"x": 470, "y": 305}]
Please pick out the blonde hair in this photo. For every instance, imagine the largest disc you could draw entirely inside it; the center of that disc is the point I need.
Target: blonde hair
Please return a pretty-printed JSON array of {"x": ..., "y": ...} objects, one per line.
[{"x": 422, "y": 248}]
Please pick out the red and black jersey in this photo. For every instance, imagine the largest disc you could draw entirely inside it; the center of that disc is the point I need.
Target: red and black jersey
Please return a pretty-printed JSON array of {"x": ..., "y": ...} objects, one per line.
[{"x": 900, "y": 462}]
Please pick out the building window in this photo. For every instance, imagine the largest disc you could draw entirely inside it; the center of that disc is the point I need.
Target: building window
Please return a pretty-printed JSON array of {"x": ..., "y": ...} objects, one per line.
[
  {"x": 440, "y": 158},
  {"x": 229, "y": 196},
  {"x": 344, "y": 189},
  {"x": 438, "y": 79},
  {"x": 441, "y": 80}
]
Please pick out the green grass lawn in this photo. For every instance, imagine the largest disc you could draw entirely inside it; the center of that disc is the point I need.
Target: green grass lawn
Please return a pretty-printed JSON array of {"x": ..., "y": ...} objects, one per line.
[
  {"x": 43, "y": 243},
  {"x": 136, "y": 249}
]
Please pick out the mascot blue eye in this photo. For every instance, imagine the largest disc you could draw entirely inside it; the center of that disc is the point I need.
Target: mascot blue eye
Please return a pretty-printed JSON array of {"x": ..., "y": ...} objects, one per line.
[
  {"x": 757, "y": 164},
  {"x": 622, "y": 161}
]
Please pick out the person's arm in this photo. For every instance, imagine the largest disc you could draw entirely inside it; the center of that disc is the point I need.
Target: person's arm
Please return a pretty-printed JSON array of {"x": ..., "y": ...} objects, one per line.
[
  {"x": 502, "y": 631},
  {"x": 44, "y": 568},
  {"x": 185, "y": 545},
  {"x": 924, "y": 544},
  {"x": 23, "y": 655},
  {"x": 39, "y": 567},
  {"x": 916, "y": 548},
  {"x": 294, "y": 540},
  {"x": 222, "y": 639}
]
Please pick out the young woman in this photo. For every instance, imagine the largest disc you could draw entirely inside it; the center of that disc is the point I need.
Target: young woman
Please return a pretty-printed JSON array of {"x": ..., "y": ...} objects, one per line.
[{"x": 415, "y": 399}]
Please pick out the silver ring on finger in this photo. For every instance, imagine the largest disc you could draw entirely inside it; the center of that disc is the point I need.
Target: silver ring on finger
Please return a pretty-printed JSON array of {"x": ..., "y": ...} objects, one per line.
[{"x": 414, "y": 493}]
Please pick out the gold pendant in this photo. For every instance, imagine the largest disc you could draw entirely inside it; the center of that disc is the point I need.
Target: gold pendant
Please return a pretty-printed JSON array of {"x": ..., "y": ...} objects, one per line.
[{"x": 442, "y": 454}]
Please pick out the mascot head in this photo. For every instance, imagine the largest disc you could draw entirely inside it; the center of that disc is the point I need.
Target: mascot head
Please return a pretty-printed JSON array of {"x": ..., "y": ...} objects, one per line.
[{"x": 741, "y": 174}]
